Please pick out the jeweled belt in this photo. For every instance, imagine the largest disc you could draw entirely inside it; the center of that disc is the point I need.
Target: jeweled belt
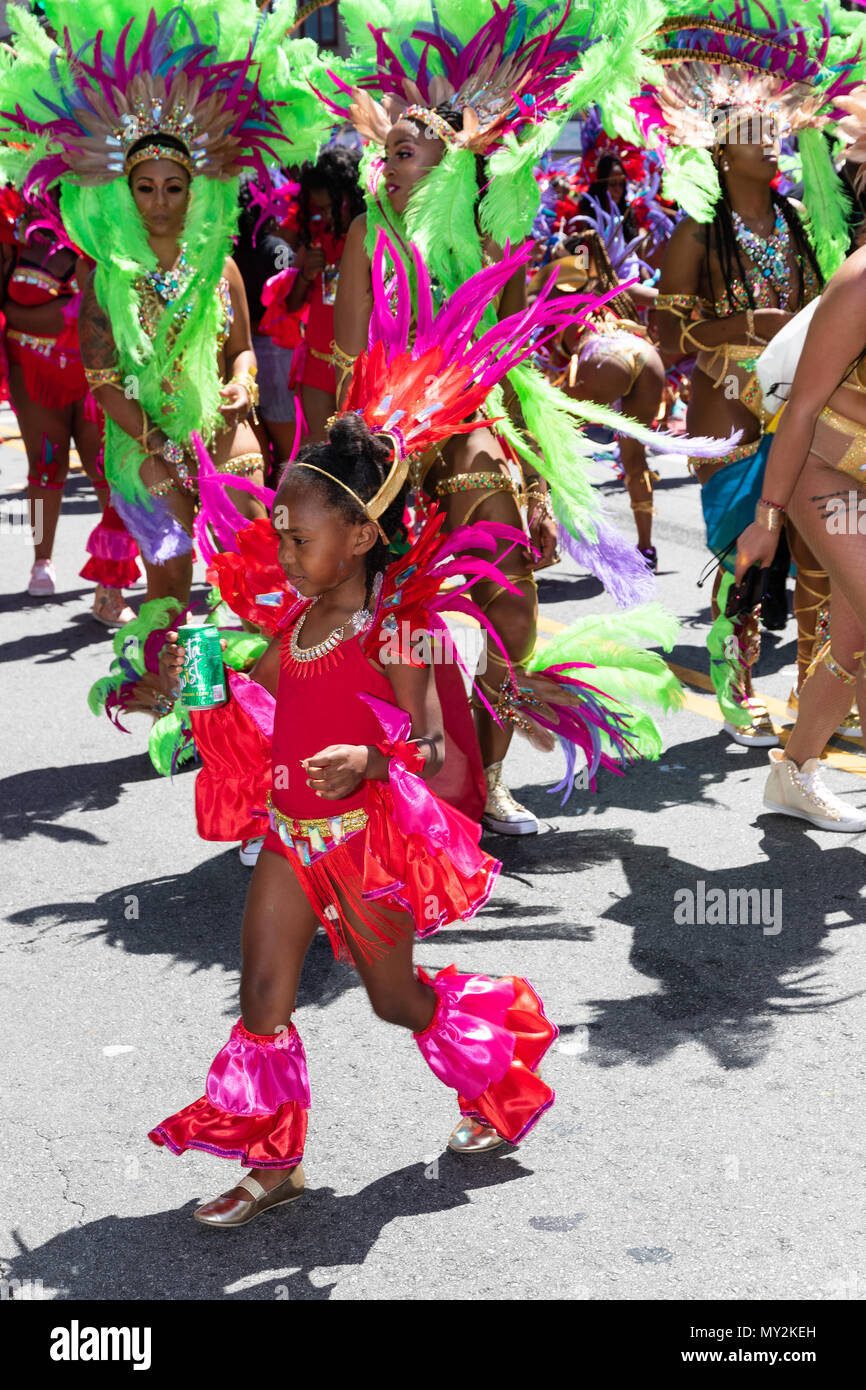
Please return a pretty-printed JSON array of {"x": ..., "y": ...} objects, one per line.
[{"x": 311, "y": 838}]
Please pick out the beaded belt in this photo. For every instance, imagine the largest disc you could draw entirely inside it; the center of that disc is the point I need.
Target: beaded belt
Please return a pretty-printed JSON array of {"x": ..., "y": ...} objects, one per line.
[
  {"x": 44, "y": 346},
  {"x": 704, "y": 469},
  {"x": 311, "y": 838}
]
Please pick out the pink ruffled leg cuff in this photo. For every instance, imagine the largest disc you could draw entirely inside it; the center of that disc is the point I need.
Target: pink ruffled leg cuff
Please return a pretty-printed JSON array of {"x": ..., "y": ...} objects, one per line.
[
  {"x": 255, "y": 1104},
  {"x": 486, "y": 1039}
]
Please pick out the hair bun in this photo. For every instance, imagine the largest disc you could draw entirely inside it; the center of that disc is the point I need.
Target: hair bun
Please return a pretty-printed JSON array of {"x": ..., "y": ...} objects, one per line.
[{"x": 351, "y": 435}]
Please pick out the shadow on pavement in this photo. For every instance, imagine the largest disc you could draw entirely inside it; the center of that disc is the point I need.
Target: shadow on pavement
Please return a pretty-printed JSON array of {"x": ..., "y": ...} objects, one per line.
[
  {"x": 44, "y": 648},
  {"x": 168, "y": 1256},
  {"x": 726, "y": 985},
  {"x": 30, "y": 802}
]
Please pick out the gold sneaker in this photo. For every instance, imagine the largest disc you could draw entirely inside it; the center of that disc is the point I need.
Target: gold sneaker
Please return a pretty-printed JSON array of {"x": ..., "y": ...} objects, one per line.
[
  {"x": 502, "y": 814},
  {"x": 759, "y": 733}
]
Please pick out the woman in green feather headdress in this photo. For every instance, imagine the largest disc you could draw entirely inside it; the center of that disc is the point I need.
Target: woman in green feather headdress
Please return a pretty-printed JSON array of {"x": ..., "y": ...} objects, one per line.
[
  {"x": 146, "y": 119},
  {"x": 471, "y": 97}
]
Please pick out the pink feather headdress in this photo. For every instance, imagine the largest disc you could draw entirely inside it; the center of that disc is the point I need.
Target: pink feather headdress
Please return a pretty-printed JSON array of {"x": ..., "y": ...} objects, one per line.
[
  {"x": 723, "y": 69},
  {"x": 511, "y": 74}
]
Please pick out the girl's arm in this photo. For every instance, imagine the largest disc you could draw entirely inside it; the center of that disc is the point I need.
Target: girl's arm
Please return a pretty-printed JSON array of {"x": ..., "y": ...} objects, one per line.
[
  {"x": 353, "y": 304},
  {"x": 337, "y": 770},
  {"x": 835, "y": 339}
]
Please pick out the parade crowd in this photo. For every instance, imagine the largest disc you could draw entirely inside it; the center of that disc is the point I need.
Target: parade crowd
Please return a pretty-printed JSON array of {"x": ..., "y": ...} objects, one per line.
[{"x": 361, "y": 332}]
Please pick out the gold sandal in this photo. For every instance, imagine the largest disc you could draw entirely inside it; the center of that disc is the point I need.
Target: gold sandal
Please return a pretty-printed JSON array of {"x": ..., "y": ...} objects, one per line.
[{"x": 238, "y": 1212}]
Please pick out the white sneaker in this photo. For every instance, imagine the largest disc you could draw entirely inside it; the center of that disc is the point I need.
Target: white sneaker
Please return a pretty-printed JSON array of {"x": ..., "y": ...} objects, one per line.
[
  {"x": 793, "y": 791},
  {"x": 502, "y": 814},
  {"x": 250, "y": 851},
  {"x": 43, "y": 580}
]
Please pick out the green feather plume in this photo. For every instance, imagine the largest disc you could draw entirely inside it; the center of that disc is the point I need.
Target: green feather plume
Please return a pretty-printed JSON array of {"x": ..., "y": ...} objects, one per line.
[{"x": 827, "y": 208}]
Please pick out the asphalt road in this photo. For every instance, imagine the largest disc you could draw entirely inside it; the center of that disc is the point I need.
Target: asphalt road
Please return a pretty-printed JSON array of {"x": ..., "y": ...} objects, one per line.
[{"x": 707, "y": 1137}]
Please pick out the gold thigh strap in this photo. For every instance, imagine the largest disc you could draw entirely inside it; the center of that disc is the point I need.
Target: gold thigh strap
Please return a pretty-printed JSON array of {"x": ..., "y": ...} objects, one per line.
[{"x": 242, "y": 465}]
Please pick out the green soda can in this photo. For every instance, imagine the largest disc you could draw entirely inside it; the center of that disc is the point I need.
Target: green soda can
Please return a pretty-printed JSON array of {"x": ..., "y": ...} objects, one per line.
[{"x": 202, "y": 680}]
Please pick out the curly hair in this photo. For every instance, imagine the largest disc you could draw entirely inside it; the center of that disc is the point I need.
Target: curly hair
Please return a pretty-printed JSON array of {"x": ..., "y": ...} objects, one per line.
[
  {"x": 353, "y": 455},
  {"x": 336, "y": 172}
]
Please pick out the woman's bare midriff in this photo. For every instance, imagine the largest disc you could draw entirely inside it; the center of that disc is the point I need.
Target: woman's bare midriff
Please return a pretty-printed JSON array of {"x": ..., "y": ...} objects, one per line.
[{"x": 713, "y": 412}]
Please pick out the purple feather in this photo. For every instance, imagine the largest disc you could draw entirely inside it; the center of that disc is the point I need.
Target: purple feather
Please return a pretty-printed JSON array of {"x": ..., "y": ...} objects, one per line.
[
  {"x": 158, "y": 532},
  {"x": 614, "y": 561}
]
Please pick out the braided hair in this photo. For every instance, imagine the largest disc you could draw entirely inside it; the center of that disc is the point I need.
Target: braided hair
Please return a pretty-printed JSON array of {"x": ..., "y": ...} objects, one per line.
[
  {"x": 621, "y": 304},
  {"x": 335, "y": 171},
  {"x": 727, "y": 248},
  {"x": 361, "y": 460}
]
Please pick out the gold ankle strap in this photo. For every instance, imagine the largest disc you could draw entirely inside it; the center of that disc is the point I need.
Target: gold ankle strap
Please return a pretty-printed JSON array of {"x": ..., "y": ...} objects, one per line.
[{"x": 836, "y": 670}]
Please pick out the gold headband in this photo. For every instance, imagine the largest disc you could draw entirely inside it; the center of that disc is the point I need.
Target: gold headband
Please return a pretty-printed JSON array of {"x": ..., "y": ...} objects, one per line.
[
  {"x": 158, "y": 151},
  {"x": 387, "y": 492}
]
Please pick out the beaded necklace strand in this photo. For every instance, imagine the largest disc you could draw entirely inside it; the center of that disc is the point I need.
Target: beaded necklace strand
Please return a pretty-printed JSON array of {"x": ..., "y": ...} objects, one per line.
[{"x": 769, "y": 255}]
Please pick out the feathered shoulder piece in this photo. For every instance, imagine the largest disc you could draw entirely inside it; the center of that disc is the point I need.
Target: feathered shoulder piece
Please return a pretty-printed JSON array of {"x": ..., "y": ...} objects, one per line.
[
  {"x": 251, "y": 580},
  {"x": 433, "y": 577}
]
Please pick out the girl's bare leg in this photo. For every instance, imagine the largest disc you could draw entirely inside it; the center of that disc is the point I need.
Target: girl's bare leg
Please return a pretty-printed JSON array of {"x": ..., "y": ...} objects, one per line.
[{"x": 277, "y": 931}]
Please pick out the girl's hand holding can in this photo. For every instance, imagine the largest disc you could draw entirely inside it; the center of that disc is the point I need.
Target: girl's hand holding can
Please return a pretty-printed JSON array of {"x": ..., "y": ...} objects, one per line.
[{"x": 170, "y": 665}]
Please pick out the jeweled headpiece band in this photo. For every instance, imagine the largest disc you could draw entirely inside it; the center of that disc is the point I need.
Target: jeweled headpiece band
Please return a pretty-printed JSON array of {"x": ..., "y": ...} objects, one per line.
[
  {"x": 157, "y": 150},
  {"x": 436, "y": 123}
]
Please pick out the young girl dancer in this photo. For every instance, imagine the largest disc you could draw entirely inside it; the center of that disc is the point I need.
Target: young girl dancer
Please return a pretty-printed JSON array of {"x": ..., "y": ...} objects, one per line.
[
  {"x": 347, "y": 849},
  {"x": 357, "y": 843}
]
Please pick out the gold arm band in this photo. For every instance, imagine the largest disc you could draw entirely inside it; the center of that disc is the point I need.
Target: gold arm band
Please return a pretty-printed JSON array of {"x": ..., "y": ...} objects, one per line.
[
  {"x": 343, "y": 360},
  {"x": 769, "y": 518},
  {"x": 102, "y": 376},
  {"x": 242, "y": 465},
  {"x": 471, "y": 482},
  {"x": 248, "y": 381},
  {"x": 343, "y": 364},
  {"x": 679, "y": 304}
]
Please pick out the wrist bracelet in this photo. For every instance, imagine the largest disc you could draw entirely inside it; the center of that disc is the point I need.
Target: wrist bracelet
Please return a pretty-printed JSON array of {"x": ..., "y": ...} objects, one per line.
[
  {"x": 765, "y": 502},
  {"x": 769, "y": 518}
]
